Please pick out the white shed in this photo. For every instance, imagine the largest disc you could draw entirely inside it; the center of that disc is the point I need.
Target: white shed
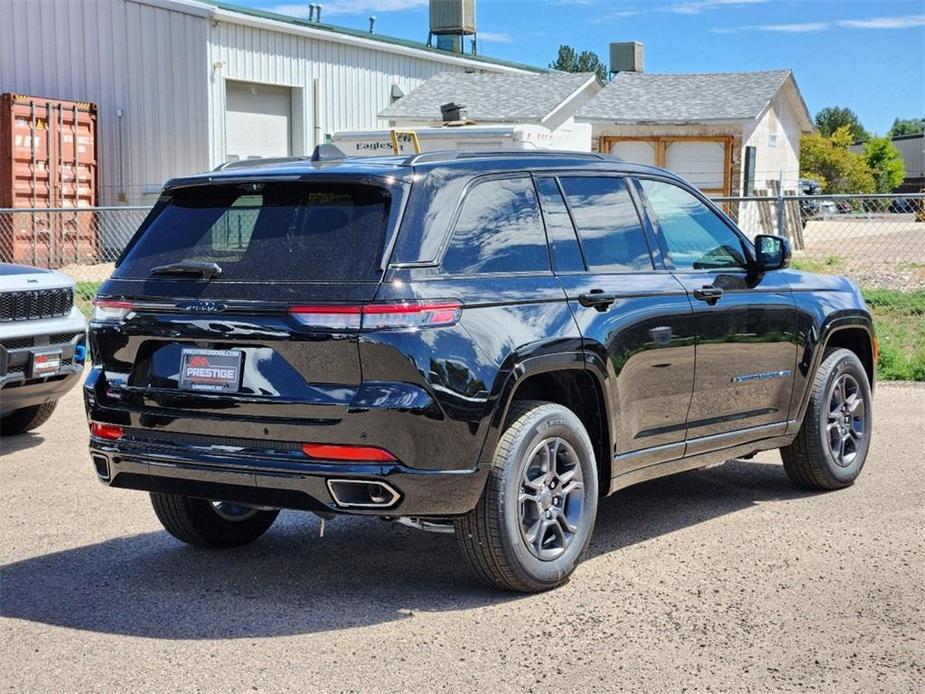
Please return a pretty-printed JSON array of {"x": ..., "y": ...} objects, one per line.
[
  {"x": 728, "y": 133},
  {"x": 185, "y": 85}
]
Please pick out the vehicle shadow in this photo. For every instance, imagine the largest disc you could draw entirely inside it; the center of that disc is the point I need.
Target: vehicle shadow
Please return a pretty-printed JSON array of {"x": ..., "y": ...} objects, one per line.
[
  {"x": 364, "y": 571},
  {"x": 19, "y": 442}
]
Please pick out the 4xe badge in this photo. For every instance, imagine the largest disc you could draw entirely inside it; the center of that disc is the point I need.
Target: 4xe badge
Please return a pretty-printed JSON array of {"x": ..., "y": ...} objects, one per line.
[{"x": 212, "y": 370}]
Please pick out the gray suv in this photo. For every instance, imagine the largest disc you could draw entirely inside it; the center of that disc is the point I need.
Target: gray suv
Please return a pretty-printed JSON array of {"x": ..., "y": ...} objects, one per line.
[{"x": 42, "y": 344}]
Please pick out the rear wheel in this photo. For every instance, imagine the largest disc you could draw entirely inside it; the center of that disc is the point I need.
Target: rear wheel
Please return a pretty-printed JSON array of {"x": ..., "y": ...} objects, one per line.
[
  {"x": 215, "y": 524},
  {"x": 537, "y": 510},
  {"x": 832, "y": 445},
  {"x": 26, "y": 419}
]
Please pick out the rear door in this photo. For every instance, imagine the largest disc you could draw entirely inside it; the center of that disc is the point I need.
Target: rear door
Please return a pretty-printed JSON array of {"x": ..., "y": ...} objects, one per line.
[
  {"x": 253, "y": 337},
  {"x": 745, "y": 322},
  {"x": 635, "y": 316}
]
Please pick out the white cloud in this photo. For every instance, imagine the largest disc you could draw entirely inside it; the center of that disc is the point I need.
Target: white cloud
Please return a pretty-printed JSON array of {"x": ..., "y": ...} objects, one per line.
[
  {"x": 905, "y": 22},
  {"x": 901, "y": 22},
  {"x": 699, "y": 6},
  {"x": 495, "y": 37},
  {"x": 349, "y": 7}
]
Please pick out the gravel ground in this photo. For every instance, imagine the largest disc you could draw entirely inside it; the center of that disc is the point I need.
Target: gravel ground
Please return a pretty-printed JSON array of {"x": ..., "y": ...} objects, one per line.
[{"x": 726, "y": 579}]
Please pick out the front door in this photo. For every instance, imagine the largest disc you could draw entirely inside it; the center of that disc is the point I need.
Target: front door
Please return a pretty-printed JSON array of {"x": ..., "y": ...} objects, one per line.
[
  {"x": 745, "y": 322},
  {"x": 636, "y": 319}
]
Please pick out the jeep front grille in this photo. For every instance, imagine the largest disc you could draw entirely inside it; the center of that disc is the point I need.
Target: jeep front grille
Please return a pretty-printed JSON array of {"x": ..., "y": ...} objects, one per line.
[{"x": 36, "y": 303}]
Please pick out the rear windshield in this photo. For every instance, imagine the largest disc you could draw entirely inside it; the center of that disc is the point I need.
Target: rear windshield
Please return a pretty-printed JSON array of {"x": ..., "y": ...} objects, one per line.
[{"x": 289, "y": 231}]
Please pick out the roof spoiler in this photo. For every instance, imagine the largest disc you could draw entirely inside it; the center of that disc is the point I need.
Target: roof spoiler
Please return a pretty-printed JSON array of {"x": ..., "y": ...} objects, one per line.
[{"x": 321, "y": 153}]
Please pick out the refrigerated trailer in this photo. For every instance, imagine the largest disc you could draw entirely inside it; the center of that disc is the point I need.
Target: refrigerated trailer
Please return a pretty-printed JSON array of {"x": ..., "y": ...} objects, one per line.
[{"x": 575, "y": 137}]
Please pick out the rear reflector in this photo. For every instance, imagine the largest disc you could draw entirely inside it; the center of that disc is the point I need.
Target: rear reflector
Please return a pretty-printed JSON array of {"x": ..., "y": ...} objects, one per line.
[
  {"x": 384, "y": 316},
  {"x": 369, "y": 454},
  {"x": 110, "y": 432}
]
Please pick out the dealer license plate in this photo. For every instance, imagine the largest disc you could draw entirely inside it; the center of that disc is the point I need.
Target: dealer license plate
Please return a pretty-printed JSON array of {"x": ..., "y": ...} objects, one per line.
[
  {"x": 214, "y": 370},
  {"x": 46, "y": 363}
]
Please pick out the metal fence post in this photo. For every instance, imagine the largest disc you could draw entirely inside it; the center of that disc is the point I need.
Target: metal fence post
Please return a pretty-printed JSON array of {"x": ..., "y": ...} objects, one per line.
[{"x": 781, "y": 210}]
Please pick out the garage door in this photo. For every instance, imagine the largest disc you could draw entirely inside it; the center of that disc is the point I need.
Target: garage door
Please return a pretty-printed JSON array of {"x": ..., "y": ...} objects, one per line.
[
  {"x": 699, "y": 162},
  {"x": 257, "y": 121},
  {"x": 705, "y": 162},
  {"x": 635, "y": 151}
]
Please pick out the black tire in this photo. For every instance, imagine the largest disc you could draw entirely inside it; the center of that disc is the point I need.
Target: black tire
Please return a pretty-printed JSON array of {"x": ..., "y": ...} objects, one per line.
[
  {"x": 26, "y": 419},
  {"x": 493, "y": 536},
  {"x": 813, "y": 461},
  {"x": 198, "y": 522}
]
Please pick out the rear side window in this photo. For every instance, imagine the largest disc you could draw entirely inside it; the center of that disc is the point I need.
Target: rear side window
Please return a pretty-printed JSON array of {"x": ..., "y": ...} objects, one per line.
[
  {"x": 564, "y": 244},
  {"x": 498, "y": 230},
  {"x": 293, "y": 231},
  {"x": 608, "y": 224}
]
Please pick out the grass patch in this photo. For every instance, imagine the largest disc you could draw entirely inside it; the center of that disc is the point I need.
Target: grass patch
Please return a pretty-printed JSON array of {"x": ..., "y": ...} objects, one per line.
[
  {"x": 828, "y": 266},
  {"x": 899, "y": 318},
  {"x": 83, "y": 296}
]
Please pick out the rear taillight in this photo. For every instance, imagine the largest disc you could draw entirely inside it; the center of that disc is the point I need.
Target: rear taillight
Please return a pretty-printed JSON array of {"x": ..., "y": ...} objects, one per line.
[
  {"x": 383, "y": 316},
  {"x": 109, "y": 310},
  {"x": 110, "y": 432},
  {"x": 325, "y": 451}
]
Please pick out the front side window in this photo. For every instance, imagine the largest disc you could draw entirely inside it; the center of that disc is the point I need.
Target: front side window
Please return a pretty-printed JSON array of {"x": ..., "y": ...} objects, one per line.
[
  {"x": 608, "y": 224},
  {"x": 498, "y": 230},
  {"x": 695, "y": 236}
]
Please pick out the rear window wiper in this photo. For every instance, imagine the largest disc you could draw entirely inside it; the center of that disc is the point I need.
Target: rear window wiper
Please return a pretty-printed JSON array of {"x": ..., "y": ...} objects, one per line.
[{"x": 204, "y": 270}]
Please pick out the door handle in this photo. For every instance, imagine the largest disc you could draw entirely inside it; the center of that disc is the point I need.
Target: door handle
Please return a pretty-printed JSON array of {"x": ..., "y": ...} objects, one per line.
[
  {"x": 597, "y": 299},
  {"x": 709, "y": 293}
]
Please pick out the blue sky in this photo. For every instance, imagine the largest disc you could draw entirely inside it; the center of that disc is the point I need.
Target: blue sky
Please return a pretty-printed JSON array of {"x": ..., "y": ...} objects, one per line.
[{"x": 868, "y": 55}]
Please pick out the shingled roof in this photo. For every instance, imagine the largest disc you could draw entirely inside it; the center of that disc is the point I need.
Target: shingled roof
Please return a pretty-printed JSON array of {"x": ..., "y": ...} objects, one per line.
[
  {"x": 635, "y": 97},
  {"x": 493, "y": 97}
]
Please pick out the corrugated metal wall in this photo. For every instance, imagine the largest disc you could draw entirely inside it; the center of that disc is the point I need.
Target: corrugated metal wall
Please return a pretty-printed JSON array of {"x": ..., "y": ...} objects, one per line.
[
  {"x": 147, "y": 61},
  {"x": 354, "y": 81},
  {"x": 165, "y": 67}
]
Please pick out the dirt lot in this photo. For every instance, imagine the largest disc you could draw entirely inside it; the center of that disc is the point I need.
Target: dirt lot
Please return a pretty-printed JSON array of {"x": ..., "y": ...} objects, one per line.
[
  {"x": 875, "y": 251},
  {"x": 721, "y": 580}
]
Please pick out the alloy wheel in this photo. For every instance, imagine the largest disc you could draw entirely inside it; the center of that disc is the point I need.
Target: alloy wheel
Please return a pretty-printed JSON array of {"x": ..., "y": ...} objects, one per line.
[
  {"x": 846, "y": 419},
  {"x": 552, "y": 497}
]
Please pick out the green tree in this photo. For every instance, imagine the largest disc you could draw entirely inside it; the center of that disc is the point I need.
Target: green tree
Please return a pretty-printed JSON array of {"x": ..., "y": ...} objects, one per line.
[
  {"x": 830, "y": 161},
  {"x": 907, "y": 126},
  {"x": 885, "y": 163},
  {"x": 569, "y": 60},
  {"x": 831, "y": 118}
]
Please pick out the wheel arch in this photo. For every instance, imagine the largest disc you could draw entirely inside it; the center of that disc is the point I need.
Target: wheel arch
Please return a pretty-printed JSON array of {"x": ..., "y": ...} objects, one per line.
[
  {"x": 854, "y": 332},
  {"x": 565, "y": 379}
]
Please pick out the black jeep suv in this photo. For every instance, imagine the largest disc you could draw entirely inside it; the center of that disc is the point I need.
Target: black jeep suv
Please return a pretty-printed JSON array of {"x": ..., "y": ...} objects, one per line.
[{"x": 485, "y": 343}]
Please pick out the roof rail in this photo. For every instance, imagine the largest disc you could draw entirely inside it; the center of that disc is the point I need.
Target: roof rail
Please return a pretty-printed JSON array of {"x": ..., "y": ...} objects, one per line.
[{"x": 454, "y": 155}]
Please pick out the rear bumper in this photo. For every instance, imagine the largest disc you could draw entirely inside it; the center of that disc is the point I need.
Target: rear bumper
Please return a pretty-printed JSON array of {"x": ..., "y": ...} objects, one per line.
[{"x": 280, "y": 479}]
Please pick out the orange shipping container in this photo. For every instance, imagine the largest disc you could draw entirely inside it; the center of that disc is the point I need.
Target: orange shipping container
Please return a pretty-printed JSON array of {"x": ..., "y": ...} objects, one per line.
[{"x": 48, "y": 159}]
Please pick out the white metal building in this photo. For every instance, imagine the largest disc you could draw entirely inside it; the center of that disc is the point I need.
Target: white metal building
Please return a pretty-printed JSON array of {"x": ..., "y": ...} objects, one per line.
[{"x": 184, "y": 85}]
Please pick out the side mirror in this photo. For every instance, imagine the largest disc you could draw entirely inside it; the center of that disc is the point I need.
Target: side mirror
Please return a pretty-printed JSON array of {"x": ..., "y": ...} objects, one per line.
[{"x": 771, "y": 252}]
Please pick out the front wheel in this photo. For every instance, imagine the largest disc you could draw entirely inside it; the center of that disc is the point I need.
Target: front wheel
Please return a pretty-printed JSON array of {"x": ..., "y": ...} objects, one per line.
[
  {"x": 27, "y": 419},
  {"x": 536, "y": 513},
  {"x": 833, "y": 442},
  {"x": 214, "y": 524}
]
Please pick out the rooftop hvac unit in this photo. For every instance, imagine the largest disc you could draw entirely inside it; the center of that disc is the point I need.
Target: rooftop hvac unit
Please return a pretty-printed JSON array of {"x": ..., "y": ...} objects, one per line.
[
  {"x": 452, "y": 17},
  {"x": 626, "y": 56}
]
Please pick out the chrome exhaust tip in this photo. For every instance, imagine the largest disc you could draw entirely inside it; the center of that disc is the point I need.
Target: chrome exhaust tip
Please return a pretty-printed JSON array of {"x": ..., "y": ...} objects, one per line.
[{"x": 362, "y": 493}]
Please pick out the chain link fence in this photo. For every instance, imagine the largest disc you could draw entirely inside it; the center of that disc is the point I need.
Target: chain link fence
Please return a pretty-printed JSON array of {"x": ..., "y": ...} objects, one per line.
[{"x": 877, "y": 240}]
